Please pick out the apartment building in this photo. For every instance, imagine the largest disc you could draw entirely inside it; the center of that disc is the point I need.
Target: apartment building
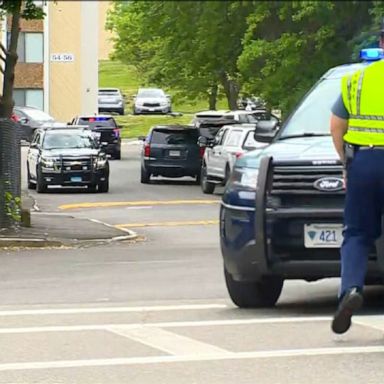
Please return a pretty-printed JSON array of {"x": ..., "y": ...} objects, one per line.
[{"x": 57, "y": 69}]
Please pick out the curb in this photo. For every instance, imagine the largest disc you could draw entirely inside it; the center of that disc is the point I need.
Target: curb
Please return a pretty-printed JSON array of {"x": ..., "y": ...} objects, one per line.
[{"x": 15, "y": 242}]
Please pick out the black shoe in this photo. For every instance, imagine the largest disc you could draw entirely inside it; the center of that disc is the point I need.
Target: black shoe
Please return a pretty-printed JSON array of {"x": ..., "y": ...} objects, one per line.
[{"x": 351, "y": 302}]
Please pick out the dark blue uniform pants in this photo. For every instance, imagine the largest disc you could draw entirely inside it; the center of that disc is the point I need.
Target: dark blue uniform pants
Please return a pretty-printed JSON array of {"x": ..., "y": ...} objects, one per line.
[{"x": 362, "y": 216}]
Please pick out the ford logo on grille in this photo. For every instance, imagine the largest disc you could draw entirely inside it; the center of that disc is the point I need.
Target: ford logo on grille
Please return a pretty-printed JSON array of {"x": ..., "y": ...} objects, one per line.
[{"x": 329, "y": 184}]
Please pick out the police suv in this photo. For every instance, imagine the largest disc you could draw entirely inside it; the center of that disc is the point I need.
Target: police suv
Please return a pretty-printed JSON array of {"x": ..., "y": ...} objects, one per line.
[{"x": 282, "y": 211}]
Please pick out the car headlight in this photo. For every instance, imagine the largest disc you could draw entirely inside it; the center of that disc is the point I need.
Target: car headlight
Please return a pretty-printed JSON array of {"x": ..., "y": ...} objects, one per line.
[
  {"x": 164, "y": 103},
  {"x": 100, "y": 162},
  {"x": 47, "y": 162},
  {"x": 245, "y": 177}
]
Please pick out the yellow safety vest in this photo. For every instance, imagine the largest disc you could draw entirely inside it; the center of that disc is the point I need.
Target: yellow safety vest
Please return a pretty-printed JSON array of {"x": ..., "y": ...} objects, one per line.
[{"x": 363, "y": 97}]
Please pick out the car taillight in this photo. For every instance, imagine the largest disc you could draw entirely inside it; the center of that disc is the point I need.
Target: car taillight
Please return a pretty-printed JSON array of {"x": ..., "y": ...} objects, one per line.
[
  {"x": 116, "y": 131},
  {"x": 14, "y": 118},
  {"x": 238, "y": 154},
  {"x": 201, "y": 151},
  {"x": 147, "y": 150}
]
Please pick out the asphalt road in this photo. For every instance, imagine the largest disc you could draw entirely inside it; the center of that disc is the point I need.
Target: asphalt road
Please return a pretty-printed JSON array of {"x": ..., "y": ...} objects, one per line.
[{"x": 157, "y": 311}]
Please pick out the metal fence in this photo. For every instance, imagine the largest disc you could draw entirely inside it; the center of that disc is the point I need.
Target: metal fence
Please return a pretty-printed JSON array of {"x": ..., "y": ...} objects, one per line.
[{"x": 10, "y": 176}]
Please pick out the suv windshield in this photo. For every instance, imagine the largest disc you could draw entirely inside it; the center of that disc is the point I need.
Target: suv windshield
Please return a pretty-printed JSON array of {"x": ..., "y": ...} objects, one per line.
[
  {"x": 95, "y": 122},
  {"x": 172, "y": 136},
  {"x": 62, "y": 140},
  {"x": 151, "y": 93},
  {"x": 313, "y": 114}
]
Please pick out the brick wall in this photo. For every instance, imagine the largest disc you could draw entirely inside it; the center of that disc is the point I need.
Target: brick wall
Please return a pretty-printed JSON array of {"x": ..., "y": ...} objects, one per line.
[{"x": 28, "y": 25}]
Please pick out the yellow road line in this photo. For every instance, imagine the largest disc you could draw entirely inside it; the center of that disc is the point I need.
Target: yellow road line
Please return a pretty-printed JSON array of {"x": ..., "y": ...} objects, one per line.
[
  {"x": 106, "y": 204},
  {"x": 168, "y": 224}
]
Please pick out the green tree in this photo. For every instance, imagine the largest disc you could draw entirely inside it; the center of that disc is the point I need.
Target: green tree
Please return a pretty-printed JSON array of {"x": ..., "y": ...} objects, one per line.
[
  {"x": 289, "y": 45},
  {"x": 191, "y": 46},
  {"x": 10, "y": 183},
  {"x": 16, "y": 9}
]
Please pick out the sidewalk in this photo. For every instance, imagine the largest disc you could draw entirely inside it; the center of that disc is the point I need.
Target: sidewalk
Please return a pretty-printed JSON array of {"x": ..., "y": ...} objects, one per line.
[{"x": 55, "y": 229}]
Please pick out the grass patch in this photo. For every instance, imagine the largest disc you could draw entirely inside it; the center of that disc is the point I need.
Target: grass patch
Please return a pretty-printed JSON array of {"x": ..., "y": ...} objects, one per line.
[{"x": 125, "y": 77}]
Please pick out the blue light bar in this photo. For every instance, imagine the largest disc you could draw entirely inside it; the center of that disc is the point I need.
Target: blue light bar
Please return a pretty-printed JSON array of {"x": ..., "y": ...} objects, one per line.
[{"x": 372, "y": 54}]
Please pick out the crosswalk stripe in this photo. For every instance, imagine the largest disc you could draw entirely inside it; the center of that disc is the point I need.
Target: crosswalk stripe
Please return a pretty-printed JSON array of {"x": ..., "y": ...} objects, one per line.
[{"x": 40, "y": 365}]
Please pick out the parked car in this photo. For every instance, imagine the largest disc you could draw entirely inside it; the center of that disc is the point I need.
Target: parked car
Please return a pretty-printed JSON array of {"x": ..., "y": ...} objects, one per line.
[
  {"x": 151, "y": 100},
  {"x": 66, "y": 156},
  {"x": 111, "y": 100},
  {"x": 171, "y": 151},
  {"x": 105, "y": 129},
  {"x": 282, "y": 210},
  {"x": 231, "y": 142},
  {"x": 30, "y": 119}
]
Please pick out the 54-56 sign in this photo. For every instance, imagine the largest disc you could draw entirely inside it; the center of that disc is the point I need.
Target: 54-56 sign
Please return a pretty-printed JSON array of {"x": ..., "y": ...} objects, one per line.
[{"x": 63, "y": 57}]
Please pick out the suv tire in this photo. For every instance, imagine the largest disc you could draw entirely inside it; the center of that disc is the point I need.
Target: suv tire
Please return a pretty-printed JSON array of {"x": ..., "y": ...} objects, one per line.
[
  {"x": 29, "y": 182},
  {"x": 92, "y": 188},
  {"x": 145, "y": 176},
  {"x": 117, "y": 155},
  {"x": 227, "y": 175},
  {"x": 121, "y": 112},
  {"x": 41, "y": 187},
  {"x": 254, "y": 294},
  {"x": 206, "y": 186},
  {"x": 103, "y": 186}
]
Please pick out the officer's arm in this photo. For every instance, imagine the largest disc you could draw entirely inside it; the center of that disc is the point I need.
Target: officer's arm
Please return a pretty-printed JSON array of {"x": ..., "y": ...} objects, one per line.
[{"x": 339, "y": 128}]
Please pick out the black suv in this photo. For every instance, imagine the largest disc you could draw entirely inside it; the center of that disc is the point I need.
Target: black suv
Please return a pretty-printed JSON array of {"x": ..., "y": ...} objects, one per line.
[
  {"x": 171, "y": 151},
  {"x": 66, "y": 156},
  {"x": 105, "y": 130}
]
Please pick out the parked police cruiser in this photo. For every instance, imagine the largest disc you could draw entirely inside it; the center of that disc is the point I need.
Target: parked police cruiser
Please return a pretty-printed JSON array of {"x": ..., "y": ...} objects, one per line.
[
  {"x": 67, "y": 156},
  {"x": 282, "y": 211}
]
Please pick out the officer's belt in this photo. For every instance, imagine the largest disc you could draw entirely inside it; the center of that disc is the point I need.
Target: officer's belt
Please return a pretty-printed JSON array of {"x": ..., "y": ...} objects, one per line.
[{"x": 364, "y": 147}]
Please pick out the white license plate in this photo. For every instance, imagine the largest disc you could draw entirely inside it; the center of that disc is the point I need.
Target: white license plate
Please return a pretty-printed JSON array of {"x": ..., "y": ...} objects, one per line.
[
  {"x": 76, "y": 179},
  {"x": 174, "y": 153},
  {"x": 323, "y": 235},
  {"x": 151, "y": 109}
]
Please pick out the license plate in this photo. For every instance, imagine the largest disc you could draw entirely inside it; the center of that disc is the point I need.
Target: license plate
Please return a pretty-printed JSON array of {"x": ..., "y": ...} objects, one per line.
[
  {"x": 151, "y": 109},
  {"x": 76, "y": 179},
  {"x": 323, "y": 235},
  {"x": 174, "y": 153}
]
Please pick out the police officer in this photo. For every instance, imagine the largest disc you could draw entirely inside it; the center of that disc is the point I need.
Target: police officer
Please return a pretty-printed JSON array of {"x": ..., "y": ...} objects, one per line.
[{"x": 357, "y": 129}]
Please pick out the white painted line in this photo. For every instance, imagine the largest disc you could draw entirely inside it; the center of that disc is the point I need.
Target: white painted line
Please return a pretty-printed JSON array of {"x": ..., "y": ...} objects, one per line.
[
  {"x": 74, "y": 311},
  {"x": 38, "y": 365},
  {"x": 168, "y": 342}
]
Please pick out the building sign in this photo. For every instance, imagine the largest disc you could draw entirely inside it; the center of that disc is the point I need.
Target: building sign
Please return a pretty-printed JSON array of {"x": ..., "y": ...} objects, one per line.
[{"x": 63, "y": 57}]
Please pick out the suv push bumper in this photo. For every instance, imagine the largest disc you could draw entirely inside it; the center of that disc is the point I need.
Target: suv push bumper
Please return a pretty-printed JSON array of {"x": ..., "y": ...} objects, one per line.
[{"x": 75, "y": 178}]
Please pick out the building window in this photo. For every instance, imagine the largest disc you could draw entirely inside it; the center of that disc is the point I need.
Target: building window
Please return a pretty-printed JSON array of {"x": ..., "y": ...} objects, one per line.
[
  {"x": 29, "y": 98},
  {"x": 29, "y": 47}
]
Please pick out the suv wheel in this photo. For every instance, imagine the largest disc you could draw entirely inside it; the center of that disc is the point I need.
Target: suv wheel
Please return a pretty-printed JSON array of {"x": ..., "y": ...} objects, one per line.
[
  {"x": 262, "y": 293},
  {"x": 121, "y": 112},
  {"x": 103, "y": 186},
  {"x": 29, "y": 182},
  {"x": 206, "y": 186},
  {"x": 41, "y": 187},
  {"x": 92, "y": 188},
  {"x": 117, "y": 155},
  {"x": 145, "y": 176},
  {"x": 227, "y": 175}
]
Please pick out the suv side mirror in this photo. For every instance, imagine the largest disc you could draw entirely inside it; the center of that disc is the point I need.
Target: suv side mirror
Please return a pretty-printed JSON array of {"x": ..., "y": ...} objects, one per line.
[{"x": 266, "y": 130}]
